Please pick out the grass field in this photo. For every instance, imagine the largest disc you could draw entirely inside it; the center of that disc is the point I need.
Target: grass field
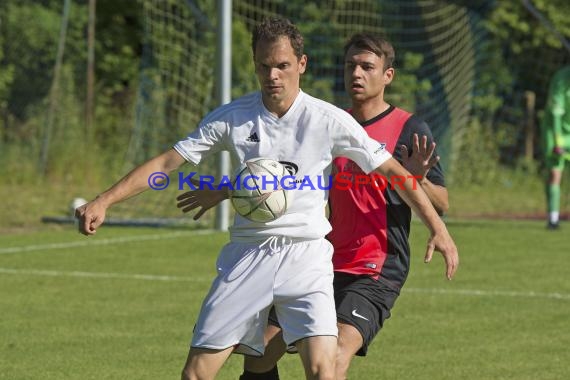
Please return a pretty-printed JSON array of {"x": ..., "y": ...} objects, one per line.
[{"x": 121, "y": 305}]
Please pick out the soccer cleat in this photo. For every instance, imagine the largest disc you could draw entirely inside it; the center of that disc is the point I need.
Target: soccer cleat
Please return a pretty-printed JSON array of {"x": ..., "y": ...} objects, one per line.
[{"x": 552, "y": 226}]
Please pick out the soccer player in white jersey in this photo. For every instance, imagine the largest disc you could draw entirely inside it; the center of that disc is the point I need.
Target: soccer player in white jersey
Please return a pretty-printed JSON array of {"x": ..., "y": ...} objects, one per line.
[{"x": 285, "y": 263}]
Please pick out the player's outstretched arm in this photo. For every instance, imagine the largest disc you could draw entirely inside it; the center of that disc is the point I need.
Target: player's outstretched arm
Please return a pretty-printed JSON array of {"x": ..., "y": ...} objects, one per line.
[
  {"x": 92, "y": 214},
  {"x": 203, "y": 198},
  {"x": 416, "y": 198},
  {"x": 419, "y": 163}
]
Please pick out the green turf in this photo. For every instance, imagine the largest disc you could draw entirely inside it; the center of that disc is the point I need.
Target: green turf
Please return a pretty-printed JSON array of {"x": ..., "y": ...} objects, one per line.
[{"x": 504, "y": 316}]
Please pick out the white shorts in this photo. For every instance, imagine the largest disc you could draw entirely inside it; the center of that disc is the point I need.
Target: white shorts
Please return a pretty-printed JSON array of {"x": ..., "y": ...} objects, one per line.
[{"x": 295, "y": 277}]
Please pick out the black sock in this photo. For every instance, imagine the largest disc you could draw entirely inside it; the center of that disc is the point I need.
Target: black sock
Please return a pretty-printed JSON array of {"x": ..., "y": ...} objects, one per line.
[{"x": 273, "y": 374}]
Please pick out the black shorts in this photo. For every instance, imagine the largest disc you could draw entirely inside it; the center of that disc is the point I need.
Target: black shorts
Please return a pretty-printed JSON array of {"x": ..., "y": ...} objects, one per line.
[{"x": 363, "y": 302}]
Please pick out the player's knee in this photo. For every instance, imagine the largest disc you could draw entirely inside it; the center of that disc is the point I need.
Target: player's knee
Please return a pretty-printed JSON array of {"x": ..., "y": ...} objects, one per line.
[
  {"x": 318, "y": 355},
  {"x": 322, "y": 370},
  {"x": 322, "y": 374}
]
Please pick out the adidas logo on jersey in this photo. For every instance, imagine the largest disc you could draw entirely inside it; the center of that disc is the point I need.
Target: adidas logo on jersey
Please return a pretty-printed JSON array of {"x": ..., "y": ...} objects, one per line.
[{"x": 253, "y": 138}]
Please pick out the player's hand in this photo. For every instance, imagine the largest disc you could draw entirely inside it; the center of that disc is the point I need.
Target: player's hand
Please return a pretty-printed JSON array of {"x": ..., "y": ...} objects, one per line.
[
  {"x": 443, "y": 243},
  {"x": 204, "y": 199},
  {"x": 90, "y": 216},
  {"x": 421, "y": 159},
  {"x": 558, "y": 150}
]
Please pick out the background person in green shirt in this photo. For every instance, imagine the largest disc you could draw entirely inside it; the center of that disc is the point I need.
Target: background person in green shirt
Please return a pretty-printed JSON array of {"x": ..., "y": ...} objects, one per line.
[{"x": 556, "y": 139}]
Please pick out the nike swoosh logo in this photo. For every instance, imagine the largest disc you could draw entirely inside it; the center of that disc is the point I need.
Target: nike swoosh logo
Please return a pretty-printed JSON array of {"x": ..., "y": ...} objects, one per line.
[{"x": 358, "y": 315}]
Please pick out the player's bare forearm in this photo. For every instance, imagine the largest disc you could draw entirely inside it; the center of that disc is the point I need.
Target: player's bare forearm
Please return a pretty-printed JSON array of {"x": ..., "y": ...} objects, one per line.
[
  {"x": 437, "y": 195},
  {"x": 92, "y": 214},
  {"x": 137, "y": 180}
]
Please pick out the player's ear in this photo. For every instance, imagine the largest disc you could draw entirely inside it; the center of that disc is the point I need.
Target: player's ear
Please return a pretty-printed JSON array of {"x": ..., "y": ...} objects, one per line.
[
  {"x": 389, "y": 74},
  {"x": 303, "y": 63}
]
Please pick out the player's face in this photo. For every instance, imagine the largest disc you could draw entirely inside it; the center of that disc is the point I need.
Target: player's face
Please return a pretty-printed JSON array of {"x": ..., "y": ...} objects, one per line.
[
  {"x": 279, "y": 72},
  {"x": 364, "y": 75}
]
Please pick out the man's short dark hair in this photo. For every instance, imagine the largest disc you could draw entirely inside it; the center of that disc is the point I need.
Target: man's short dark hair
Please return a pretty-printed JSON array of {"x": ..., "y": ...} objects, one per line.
[
  {"x": 376, "y": 44},
  {"x": 273, "y": 28}
]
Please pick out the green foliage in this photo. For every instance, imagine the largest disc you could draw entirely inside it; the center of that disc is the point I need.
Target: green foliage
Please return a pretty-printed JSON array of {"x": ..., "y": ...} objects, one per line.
[
  {"x": 118, "y": 41},
  {"x": 492, "y": 78},
  {"x": 320, "y": 88},
  {"x": 515, "y": 53},
  {"x": 28, "y": 51},
  {"x": 406, "y": 90},
  {"x": 324, "y": 40},
  {"x": 67, "y": 151},
  {"x": 6, "y": 77},
  {"x": 32, "y": 45},
  {"x": 477, "y": 156},
  {"x": 243, "y": 70},
  {"x": 512, "y": 22},
  {"x": 519, "y": 55}
]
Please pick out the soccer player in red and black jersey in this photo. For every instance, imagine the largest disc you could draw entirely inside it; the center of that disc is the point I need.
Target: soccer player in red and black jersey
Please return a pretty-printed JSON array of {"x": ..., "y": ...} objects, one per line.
[{"x": 371, "y": 223}]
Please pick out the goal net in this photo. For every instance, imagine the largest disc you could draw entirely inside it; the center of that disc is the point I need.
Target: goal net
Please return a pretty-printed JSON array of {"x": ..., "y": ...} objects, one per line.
[{"x": 442, "y": 63}]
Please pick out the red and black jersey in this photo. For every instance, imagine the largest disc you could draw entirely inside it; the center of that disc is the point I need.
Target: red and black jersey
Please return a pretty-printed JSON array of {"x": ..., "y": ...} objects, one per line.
[{"x": 371, "y": 225}]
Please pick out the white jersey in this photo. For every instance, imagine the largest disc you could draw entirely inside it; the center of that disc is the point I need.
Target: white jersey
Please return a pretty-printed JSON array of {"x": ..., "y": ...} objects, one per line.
[{"x": 306, "y": 139}]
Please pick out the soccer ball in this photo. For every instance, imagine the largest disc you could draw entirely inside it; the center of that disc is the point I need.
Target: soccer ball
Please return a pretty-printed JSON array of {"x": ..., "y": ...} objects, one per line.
[{"x": 257, "y": 193}]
